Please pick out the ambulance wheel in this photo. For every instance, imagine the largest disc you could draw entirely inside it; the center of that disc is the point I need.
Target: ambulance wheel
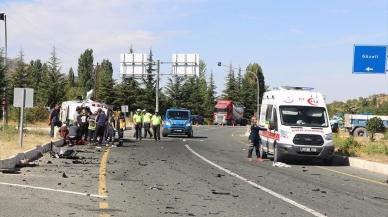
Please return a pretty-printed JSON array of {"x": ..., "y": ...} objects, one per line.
[{"x": 277, "y": 157}]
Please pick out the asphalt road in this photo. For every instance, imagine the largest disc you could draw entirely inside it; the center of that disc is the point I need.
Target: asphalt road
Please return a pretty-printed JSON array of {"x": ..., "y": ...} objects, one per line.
[{"x": 207, "y": 175}]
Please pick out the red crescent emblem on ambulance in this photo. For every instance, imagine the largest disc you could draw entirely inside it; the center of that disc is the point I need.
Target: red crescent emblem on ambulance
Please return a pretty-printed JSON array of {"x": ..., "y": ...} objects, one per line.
[{"x": 311, "y": 102}]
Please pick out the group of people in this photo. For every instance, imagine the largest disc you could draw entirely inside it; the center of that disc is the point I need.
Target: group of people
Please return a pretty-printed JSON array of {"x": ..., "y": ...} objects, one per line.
[
  {"x": 144, "y": 119},
  {"x": 89, "y": 127}
]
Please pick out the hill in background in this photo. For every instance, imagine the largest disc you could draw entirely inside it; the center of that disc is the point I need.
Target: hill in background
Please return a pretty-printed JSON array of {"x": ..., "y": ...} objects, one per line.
[{"x": 376, "y": 104}]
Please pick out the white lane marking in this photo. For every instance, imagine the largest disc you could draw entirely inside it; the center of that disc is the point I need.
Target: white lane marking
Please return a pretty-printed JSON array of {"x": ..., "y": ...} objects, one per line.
[
  {"x": 292, "y": 202},
  {"x": 51, "y": 189}
]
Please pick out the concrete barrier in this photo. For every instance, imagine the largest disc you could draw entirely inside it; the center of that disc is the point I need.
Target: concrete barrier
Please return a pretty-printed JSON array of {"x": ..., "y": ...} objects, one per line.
[
  {"x": 27, "y": 156},
  {"x": 368, "y": 165}
]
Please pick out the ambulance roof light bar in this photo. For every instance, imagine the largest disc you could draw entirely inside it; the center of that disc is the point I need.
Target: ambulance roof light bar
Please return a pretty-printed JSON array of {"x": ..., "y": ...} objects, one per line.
[{"x": 294, "y": 88}]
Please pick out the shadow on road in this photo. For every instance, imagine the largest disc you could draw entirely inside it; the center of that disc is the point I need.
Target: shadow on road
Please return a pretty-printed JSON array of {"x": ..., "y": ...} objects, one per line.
[
  {"x": 337, "y": 161},
  {"x": 185, "y": 137}
]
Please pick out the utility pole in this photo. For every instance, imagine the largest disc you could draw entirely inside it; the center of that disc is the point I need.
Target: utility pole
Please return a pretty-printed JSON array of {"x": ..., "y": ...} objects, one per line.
[
  {"x": 5, "y": 121},
  {"x": 157, "y": 87}
]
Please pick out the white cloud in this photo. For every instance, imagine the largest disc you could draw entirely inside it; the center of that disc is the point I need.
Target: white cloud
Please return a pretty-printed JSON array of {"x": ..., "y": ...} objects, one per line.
[{"x": 108, "y": 27}]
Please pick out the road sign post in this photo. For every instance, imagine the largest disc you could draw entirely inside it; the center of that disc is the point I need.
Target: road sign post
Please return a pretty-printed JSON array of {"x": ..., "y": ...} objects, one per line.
[
  {"x": 23, "y": 98},
  {"x": 370, "y": 59},
  {"x": 124, "y": 109}
]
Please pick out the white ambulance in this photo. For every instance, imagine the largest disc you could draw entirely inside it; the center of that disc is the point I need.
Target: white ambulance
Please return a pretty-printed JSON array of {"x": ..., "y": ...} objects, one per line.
[{"x": 298, "y": 124}]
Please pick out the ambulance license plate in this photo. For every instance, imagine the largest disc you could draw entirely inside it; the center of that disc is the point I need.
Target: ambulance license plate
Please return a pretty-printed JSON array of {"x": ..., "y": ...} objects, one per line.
[{"x": 303, "y": 149}]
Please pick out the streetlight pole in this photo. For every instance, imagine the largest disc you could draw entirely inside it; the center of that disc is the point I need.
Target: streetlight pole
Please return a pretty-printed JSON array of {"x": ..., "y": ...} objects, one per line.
[{"x": 257, "y": 84}]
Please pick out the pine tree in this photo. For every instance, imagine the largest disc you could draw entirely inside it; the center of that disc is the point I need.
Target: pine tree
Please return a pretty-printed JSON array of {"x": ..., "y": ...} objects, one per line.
[
  {"x": 54, "y": 81},
  {"x": 86, "y": 70},
  {"x": 230, "y": 91},
  {"x": 211, "y": 95},
  {"x": 71, "y": 78},
  {"x": 20, "y": 76},
  {"x": 149, "y": 86},
  {"x": 104, "y": 91}
]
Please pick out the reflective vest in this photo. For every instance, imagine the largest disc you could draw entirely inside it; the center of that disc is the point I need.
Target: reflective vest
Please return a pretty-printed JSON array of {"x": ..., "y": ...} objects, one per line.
[
  {"x": 156, "y": 120},
  {"x": 122, "y": 123},
  {"x": 147, "y": 118},
  {"x": 137, "y": 118}
]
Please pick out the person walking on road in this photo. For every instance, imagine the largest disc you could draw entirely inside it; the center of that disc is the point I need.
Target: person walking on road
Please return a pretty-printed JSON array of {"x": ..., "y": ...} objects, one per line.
[
  {"x": 101, "y": 121},
  {"x": 54, "y": 120},
  {"x": 255, "y": 140},
  {"x": 138, "y": 121},
  {"x": 83, "y": 125},
  {"x": 92, "y": 128},
  {"x": 121, "y": 126},
  {"x": 156, "y": 122},
  {"x": 147, "y": 123}
]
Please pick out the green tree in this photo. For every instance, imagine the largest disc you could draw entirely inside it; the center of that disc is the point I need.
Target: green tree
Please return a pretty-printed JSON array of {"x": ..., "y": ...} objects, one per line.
[
  {"x": 20, "y": 76},
  {"x": 104, "y": 91},
  {"x": 231, "y": 92},
  {"x": 373, "y": 126},
  {"x": 73, "y": 91},
  {"x": 249, "y": 88},
  {"x": 54, "y": 81},
  {"x": 127, "y": 93},
  {"x": 71, "y": 78},
  {"x": 37, "y": 71},
  {"x": 210, "y": 95},
  {"x": 149, "y": 86},
  {"x": 174, "y": 91},
  {"x": 86, "y": 71}
]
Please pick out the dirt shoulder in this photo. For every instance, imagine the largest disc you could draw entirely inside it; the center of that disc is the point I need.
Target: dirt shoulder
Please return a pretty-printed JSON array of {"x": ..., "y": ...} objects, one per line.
[{"x": 9, "y": 141}]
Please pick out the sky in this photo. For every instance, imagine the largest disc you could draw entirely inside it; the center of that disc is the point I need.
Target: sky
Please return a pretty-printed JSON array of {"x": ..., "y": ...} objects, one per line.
[{"x": 297, "y": 43}]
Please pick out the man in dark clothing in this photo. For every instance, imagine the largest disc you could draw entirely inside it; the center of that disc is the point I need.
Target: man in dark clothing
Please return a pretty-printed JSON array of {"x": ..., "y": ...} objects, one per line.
[
  {"x": 101, "y": 120},
  {"x": 73, "y": 135},
  {"x": 255, "y": 140},
  {"x": 54, "y": 119}
]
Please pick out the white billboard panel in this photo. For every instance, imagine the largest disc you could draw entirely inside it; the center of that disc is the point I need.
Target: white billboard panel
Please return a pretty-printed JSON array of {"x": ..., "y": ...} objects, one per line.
[
  {"x": 185, "y": 64},
  {"x": 133, "y": 64}
]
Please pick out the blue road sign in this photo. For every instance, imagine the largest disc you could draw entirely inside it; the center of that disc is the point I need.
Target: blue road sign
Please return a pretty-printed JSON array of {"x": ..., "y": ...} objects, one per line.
[{"x": 369, "y": 59}]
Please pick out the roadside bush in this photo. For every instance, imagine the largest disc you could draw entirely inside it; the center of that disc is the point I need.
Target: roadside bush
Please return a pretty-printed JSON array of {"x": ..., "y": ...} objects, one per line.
[
  {"x": 376, "y": 148},
  {"x": 32, "y": 115},
  {"x": 373, "y": 126},
  {"x": 37, "y": 113},
  {"x": 347, "y": 146}
]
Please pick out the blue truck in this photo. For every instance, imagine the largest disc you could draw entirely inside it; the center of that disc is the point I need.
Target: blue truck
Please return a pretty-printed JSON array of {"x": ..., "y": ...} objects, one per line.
[{"x": 177, "y": 122}]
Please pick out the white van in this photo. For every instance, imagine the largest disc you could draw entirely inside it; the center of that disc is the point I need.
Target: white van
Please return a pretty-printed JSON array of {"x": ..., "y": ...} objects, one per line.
[
  {"x": 68, "y": 109},
  {"x": 298, "y": 124}
]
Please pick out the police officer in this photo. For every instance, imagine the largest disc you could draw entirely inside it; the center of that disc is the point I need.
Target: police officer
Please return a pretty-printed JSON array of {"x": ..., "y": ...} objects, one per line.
[
  {"x": 156, "y": 122},
  {"x": 147, "y": 123},
  {"x": 138, "y": 121}
]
